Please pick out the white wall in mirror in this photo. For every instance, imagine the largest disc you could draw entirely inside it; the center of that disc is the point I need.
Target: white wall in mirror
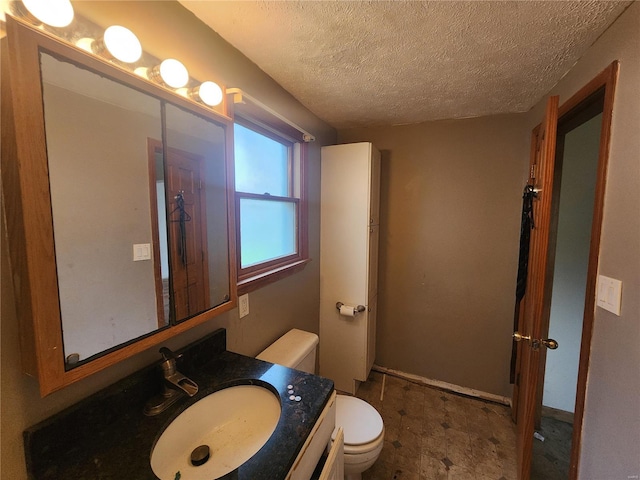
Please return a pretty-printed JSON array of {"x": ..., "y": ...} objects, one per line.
[{"x": 99, "y": 178}]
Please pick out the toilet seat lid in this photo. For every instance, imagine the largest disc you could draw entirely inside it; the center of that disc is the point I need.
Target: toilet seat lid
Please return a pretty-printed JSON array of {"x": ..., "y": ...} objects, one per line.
[{"x": 361, "y": 422}]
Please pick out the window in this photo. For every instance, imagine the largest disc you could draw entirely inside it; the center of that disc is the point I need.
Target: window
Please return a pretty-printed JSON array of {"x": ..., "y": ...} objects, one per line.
[{"x": 270, "y": 204}]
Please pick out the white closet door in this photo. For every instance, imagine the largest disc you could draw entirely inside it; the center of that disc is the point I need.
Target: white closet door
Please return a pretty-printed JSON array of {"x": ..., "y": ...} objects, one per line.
[
  {"x": 374, "y": 177},
  {"x": 344, "y": 234},
  {"x": 372, "y": 267},
  {"x": 348, "y": 260}
]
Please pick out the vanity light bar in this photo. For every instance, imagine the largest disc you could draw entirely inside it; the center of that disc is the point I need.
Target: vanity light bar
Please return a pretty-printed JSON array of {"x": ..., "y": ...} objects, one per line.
[{"x": 118, "y": 43}]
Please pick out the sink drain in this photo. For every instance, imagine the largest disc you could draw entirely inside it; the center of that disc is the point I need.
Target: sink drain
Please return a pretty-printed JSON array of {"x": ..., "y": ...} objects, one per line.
[{"x": 200, "y": 455}]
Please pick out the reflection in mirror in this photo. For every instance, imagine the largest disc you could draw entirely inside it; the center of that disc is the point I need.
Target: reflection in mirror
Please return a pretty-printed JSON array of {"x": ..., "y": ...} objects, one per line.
[
  {"x": 197, "y": 213},
  {"x": 97, "y": 133},
  {"x": 160, "y": 245}
]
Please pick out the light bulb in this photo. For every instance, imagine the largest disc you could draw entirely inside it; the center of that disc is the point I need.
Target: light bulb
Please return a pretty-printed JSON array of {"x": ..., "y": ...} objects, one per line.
[
  {"x": 174, "y": 73},
  {"x": 57, "y": 13},
  {"x": 210, "y": 93},
  {"x": 86, "y": 44},
  {"x": 184, "y": 91},
  {"x": 122, "y": 44},
  {"x": 143, "y": 72}
]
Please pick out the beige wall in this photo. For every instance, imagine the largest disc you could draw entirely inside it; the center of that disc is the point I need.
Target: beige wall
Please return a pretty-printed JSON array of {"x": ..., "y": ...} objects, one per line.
[
  {"x": 292, "y": 302},
  {"x": 611, "y": 431},
  {"x": 449, "y": 229}
]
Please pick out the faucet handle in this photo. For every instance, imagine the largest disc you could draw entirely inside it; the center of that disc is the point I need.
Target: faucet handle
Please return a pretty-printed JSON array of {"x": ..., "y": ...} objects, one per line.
[
  {"x": 168, "y": 365},
  {"x": 168, "y": 354}
]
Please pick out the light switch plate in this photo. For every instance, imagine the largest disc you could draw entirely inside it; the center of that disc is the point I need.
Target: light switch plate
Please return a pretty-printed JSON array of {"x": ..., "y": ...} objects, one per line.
[
  {"x": 141, "y": 251},
  {"x": 609, "y": 294},
  {"x": 243, "y": 305}
]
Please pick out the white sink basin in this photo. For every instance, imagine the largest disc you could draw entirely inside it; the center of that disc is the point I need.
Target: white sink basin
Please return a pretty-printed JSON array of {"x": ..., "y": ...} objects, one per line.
[{"x": 234, "y": 423}]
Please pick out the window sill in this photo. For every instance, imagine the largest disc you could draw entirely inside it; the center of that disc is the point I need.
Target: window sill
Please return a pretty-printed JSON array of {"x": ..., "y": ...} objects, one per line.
[{"x": 262, "y": 279}]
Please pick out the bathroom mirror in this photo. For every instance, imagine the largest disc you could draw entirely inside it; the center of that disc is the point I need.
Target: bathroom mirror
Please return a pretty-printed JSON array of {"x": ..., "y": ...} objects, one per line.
[
  {"x": 122, "y": 231},
  {"x": 97, "y": 132},
  {"x": 197, "y": 206}
]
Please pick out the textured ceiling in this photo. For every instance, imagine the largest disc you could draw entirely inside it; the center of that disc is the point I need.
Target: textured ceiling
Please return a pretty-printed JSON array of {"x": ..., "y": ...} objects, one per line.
[{"x": 366, "y": 63}]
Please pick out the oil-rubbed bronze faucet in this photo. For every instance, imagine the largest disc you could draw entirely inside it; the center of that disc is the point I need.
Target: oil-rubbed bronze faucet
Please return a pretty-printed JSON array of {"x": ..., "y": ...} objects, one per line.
[{"x": 175, "y": 385}]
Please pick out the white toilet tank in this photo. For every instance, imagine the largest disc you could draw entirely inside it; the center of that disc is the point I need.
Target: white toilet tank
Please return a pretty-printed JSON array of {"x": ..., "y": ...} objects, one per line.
[{"x": 295, "y": 349}]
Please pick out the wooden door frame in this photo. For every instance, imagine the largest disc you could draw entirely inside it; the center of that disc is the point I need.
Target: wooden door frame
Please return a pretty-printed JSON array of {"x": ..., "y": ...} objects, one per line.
[
  {"x": 604, "y": 81},
  {"x": 154, "y": 147},
  {"x": 592, "y": 106}
]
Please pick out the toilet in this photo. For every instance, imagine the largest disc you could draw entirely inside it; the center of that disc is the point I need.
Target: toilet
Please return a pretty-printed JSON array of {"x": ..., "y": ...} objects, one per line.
[{"x": 362, "y": 424}]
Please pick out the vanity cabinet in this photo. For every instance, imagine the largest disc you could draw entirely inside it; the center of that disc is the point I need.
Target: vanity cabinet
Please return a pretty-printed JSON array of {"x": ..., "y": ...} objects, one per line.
[
  {"x": 113, "y": 249},
  {"x": 316, "y": 444},
  {"x": 334, "y": 467}
]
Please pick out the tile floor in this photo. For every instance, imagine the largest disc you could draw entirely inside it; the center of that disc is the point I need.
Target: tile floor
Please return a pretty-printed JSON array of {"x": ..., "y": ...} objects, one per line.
[
  {"x": 551, "y": 458},
  {"x": 431, "y": 434}
]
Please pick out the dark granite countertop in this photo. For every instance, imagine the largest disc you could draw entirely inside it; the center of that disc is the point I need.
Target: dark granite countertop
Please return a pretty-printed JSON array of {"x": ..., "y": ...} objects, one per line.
[{"x": 106, "y": 436}]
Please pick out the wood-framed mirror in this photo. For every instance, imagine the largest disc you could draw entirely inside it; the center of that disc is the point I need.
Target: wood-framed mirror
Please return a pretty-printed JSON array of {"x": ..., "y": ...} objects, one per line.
[{"x": 119, "y": 208}]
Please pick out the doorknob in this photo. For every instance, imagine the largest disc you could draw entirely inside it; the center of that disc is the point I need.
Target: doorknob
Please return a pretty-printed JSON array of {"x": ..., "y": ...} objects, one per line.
[
  {"x": 550, "y": 343},
  {"x": 517, "y": 336}
]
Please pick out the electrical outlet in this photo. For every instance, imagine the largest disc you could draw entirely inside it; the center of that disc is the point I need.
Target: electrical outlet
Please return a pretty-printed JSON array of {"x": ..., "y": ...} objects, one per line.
[{"x": 243, "y": 305}]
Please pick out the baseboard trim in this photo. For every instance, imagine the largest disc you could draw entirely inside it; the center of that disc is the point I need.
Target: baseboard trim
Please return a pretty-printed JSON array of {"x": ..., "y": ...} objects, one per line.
[
  {"x": 557, "y": 414},
  {"x": 470, "y": 392}
]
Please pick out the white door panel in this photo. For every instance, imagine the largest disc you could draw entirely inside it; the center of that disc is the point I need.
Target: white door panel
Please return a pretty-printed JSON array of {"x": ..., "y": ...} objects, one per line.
[{"x": 348, "y": 260}]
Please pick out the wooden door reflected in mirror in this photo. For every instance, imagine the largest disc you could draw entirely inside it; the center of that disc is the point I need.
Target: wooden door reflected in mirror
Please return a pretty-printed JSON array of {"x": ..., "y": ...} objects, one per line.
[{"x": 197, "y": 206}]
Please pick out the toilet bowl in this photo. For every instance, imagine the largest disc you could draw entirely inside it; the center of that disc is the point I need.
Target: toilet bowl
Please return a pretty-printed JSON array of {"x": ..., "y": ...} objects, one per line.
[
  {"x": 363, "y": 434},
  {"x": 362, "y": 424}
]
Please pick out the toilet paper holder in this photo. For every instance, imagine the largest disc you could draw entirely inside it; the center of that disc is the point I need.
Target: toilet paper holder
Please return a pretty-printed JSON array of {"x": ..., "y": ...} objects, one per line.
[{"x": 358, "y": 309}]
